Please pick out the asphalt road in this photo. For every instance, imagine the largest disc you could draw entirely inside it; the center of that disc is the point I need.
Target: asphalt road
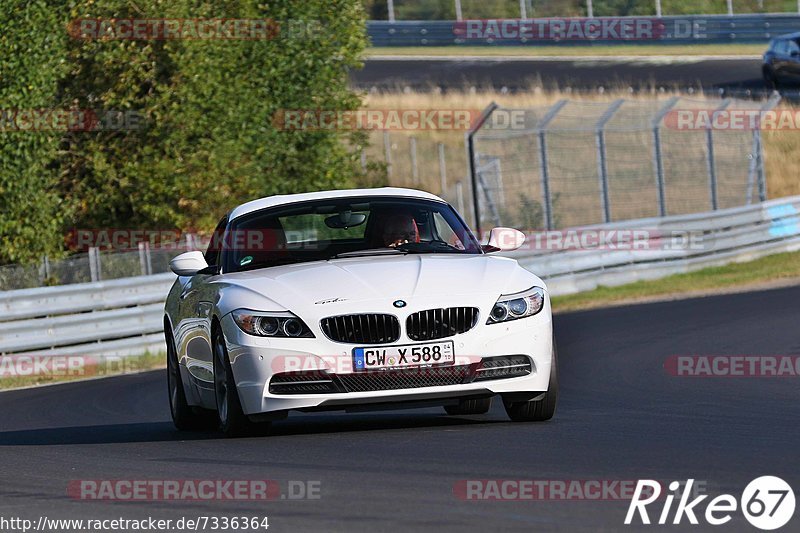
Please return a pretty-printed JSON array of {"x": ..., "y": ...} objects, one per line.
[
  {"x": 734, "y": 76},
  {"x": 621, "y": 417}
]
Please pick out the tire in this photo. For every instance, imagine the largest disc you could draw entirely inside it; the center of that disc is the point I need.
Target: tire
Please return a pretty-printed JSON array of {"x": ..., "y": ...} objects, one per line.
[
  {"x": 770, "y": 80},
  {"x": 479, "y": 406},
  {"x": 538, "y": 410},
  {"x": 232, "y": 420},
  {"x": 184, "y": 416}
]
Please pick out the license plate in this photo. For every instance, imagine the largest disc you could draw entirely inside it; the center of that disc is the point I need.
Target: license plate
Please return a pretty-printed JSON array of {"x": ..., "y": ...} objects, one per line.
[{"x": 439, "y": 353}]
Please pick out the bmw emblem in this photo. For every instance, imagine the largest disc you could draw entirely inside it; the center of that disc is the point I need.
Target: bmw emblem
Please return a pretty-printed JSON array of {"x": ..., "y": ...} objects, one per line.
[{"x": 399, "y": 304}]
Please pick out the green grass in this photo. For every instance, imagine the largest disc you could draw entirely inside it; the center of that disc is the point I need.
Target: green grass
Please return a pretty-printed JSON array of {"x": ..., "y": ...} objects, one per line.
[
  {"x": 598, "y": 50},
  {"x": 105, "y": 367},
  {"x": 774, "y": 268}
]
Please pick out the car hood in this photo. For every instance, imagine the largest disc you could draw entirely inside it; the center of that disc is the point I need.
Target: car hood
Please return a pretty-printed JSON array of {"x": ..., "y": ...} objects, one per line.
[{"x": 373, "y": 283}]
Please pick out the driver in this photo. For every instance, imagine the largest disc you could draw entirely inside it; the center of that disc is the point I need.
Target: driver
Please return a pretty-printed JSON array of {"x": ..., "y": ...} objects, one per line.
[{"x": 399, "y": 228}]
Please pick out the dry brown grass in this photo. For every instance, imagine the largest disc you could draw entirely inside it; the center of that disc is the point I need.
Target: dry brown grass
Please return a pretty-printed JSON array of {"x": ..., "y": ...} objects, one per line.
[{"x": 782, "y": 159}]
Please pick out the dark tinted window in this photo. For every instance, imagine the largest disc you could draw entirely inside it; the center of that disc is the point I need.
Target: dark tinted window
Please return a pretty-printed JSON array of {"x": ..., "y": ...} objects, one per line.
[{"x": 321, "y": 230}]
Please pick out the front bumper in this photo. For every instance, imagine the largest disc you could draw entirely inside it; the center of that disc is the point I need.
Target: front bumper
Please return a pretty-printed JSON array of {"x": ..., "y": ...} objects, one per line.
[{"x": 256, "y": 360}]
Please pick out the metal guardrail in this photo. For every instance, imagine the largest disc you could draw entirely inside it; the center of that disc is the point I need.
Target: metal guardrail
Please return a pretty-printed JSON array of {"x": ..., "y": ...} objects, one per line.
[
  {"x": 717, "y": 238},
  {"x": 120, "y": 317},
  {"x": 124, "y": 317},
  {"x": 698, "y": 29}
]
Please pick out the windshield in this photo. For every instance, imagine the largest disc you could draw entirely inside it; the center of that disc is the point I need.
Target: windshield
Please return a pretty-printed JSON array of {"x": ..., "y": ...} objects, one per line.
[{"x": 341, "y": 228}]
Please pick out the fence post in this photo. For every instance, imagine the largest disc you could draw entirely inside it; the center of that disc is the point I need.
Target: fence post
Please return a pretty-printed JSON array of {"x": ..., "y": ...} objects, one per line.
[
  {"x": 712, "y": 164},
  {"x": 762, "y": 177},
  {"x": 46, "y": 267},
  {"x": 523, "y": 12},
  {"x": 589, "y": 9},
  {"x": 602, "y": 165},
  {"x": 442, "y": 170},
  {"x": 387, "y": 150},
  {"x": 473, "y": 171},
  {"x": 547, "y": 205},
  {"x": 142, "y": 259},
  {"x": 412, "y": 146},
  {"x": 460, "y": 196},
  {"x": 364, "y": 160},
  {"x": 730, "y": 8},
  {"x": 459, "y": 15},
  {"x": 94, "y": 264},
  {"x": 390, "y": 7},
  {"x": 658, "y": 8},
  {"x": 658, "y": 162}
]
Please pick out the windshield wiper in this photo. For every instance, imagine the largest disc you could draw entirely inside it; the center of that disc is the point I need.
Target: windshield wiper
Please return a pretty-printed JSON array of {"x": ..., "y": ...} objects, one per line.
[{"x": 373, "y": 252}]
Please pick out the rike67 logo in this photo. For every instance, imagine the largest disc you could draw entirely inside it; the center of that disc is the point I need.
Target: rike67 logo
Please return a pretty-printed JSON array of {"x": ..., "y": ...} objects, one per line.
[{"x": 767, "y": 503}]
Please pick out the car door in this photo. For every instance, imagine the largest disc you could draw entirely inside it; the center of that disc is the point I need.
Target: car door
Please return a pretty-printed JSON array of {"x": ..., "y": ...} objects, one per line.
[
  {"x": 793, "y": 60},
  {"x": 781, "y": 60},
  {"x": 196, "y": 303}
]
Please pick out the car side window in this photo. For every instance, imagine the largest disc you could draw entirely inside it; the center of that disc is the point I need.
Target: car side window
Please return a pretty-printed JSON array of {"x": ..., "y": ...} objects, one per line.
[
  {"x": 212, "y": 255},
  {"x": 782, "y": 48},
  {"x": 792, "y": 47}
]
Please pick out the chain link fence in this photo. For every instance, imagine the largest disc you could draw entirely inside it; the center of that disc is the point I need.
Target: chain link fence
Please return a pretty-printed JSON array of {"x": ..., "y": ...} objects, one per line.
[
  {"x": 580, "y": 163},
  {"x": 570, "y": 164},
  {"x": 95, "y": 265}
]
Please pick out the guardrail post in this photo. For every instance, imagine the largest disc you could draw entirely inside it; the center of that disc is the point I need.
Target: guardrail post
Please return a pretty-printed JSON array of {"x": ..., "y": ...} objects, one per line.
[
  {"x": 412, "y": 147},
  {"x": 547, "y": 204},
  {"x": 387, "y": 150},
  {"x": 712, "y": 164},
  {"x": 442, "y": 170},
  {"x": 658, "y": 162},
  {"x": 602, "y": 165},
  {"x": 730, "y": 8}
]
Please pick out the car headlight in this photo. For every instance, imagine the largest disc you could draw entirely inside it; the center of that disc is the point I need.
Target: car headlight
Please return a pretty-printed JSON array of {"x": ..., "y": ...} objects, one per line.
[
  {"x": 516, "y": 306},
  {"x": 271, "y": 324}
]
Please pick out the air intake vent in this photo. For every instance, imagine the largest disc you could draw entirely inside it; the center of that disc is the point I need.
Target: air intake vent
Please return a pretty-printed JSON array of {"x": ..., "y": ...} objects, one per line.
[
  {"x": 362, "y": 329},
  {"x": 441, "y": 323}
]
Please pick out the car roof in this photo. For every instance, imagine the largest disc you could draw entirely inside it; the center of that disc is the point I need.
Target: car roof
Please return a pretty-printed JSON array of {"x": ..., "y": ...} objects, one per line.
[
  {"x": 286, "y": 199},
  {"x": 788, "y": 36}
]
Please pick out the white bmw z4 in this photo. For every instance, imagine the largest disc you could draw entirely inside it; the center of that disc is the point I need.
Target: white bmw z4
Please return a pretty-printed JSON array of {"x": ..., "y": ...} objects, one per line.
[{"x": 355, "y": 300}]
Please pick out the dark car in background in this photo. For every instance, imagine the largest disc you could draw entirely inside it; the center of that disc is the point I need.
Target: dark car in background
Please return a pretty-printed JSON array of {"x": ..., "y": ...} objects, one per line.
[{"x": 782, "y": 61}]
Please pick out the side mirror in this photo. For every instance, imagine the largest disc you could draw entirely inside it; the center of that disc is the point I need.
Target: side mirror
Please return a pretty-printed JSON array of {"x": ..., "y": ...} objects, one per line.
[
  {"x": 188, "y": 264},
  {"x": 504, "y": 240}
]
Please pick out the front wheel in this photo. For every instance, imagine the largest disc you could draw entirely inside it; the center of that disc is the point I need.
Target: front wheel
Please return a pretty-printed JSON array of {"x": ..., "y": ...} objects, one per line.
[
  {"x": 542, "y": 409},
  {"x": 184, "y": 416},
  {"x": 770, "y": 79},
  {"x": 232, "y": 420}
]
